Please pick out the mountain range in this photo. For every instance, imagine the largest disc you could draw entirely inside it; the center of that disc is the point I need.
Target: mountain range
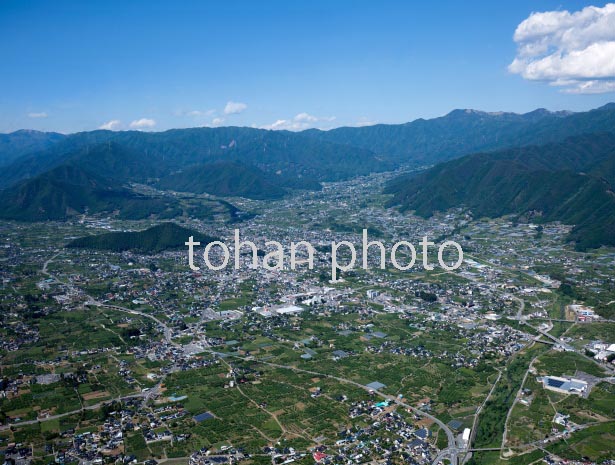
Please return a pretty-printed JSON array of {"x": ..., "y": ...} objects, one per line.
[
  {"x": 310, "y": 155},
  {"x": 541, "y": 164},
  {"x": 68, "y": 190},
  {"x": 157, "y": 153},
  {"x": 465, "y": 131},
  {"x": 569, "y": 181},
  {"x": 25, "y": 141}
]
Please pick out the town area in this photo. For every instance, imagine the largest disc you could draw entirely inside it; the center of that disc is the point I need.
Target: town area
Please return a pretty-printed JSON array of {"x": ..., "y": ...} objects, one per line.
[{"x": 128, "y": 357}]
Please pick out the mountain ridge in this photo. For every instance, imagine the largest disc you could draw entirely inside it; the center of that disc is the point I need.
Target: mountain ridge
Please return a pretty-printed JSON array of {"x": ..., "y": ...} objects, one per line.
[
  {"x": 225, "y": 179},
  {"x": 291, "y": 154},
  {"x": 563, "y": 181},
  {"x": 66, "y": 191},
  {"x": 355, "y": 150}
]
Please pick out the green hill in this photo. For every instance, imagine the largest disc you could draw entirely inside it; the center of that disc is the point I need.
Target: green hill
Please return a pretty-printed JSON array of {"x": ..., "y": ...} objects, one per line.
[
  {"x": 67, "y": 190},
  {"x": 225, "y": 179},
  {"x": 165, "y": 236},
  {"x": 555, "y": 182}
]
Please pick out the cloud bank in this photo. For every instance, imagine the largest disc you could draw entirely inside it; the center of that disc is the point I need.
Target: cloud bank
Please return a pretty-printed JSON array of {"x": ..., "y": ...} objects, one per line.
[
  {"x": 112, "y": 125},
  {"x": 574, "y": 51},
  {"x": 234, "y": 108},
  {"x": 143, "y": 123},
  {"x": 299, "y": 122}
]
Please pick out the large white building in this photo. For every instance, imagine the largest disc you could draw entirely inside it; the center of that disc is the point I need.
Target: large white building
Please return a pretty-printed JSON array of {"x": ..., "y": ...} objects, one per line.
[
  {"x": 564, "y": 385},
  {"x": 465, "y": 437}
]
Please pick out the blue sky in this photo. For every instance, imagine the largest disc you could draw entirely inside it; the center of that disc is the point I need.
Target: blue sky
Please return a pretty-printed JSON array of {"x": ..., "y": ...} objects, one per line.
[{"x": 73, "y": 66}]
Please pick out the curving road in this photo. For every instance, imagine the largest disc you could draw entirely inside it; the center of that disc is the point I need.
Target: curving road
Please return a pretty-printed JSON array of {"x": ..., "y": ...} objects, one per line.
[{"x": 451, "y": 452}]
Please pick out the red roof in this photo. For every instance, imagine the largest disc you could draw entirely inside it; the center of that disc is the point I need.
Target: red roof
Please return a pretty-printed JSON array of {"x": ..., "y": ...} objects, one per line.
[{"x": 318, "y": 456}]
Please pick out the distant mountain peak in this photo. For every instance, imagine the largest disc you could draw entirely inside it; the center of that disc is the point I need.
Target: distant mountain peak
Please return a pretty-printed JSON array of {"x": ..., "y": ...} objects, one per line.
[
  {"x": 464, "y": 112},
  {"x": 26, "y": 131},
  {"x": 544, "y": 112},
  {"x": 539, "y": 112},
  {"x": 609, "y": 106}
]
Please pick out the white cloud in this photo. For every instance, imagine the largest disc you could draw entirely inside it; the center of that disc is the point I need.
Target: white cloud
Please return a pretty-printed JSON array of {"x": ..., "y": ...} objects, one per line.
[
  {"x": 214, "y": 123},
  {"x": 143, "y": 123},
  {"x": 41, "y": 114},
  {"x": 591, "y": 87},
  {"x": 278, "y": 124},
  {"x": 574, "y": 51},
  {"x": 112, "y": 125},
  {"x": 197, "y": 113},
  {"x": 299, "y": 122},
  {"x": 306, "y": 117},
  {"x": 234, "y": 108}
]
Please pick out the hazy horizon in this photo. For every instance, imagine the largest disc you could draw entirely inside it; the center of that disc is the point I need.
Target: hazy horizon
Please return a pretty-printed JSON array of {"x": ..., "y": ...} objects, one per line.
[{"x": 493, "y": 113}]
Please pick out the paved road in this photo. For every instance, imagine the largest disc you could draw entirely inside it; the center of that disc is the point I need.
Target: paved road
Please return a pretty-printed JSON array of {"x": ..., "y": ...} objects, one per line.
[
  {"x": 516, "y": 399},
  {"x": 89, "y": 407},
  {"x": 477, "y": 414},
  {"x": 168, "y": 334},
  {"x": 450, "y": 452}
]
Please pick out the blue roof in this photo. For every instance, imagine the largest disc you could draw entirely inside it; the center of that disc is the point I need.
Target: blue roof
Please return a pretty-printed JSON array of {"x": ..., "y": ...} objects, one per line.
[
  {"x": 217, "y": 459},
  {"x": 455, "y": 424},
  {"x": 375, "y": 385},
  {"x": 203, "y": 416},
  {"x": 556, "y": 383}
]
